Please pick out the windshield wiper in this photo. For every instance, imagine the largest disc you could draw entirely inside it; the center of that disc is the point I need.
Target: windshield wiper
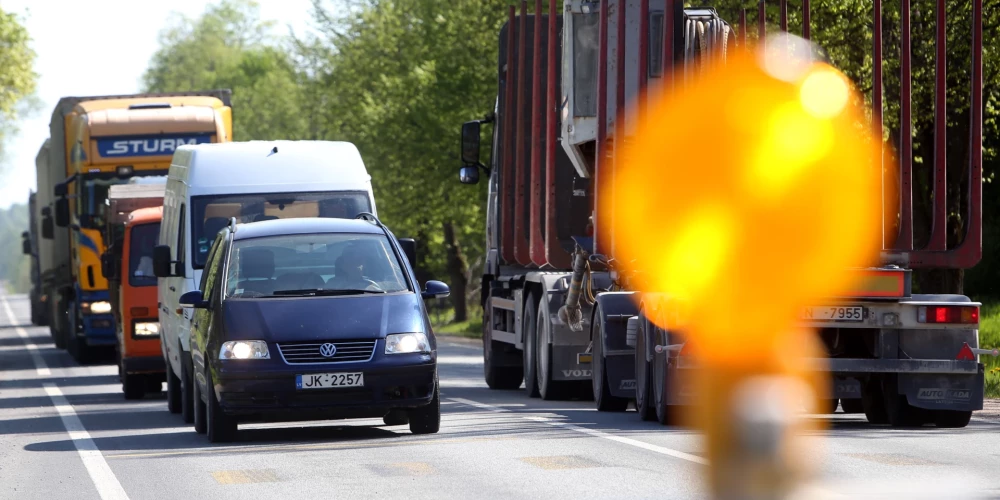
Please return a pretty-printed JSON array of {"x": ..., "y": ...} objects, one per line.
[{"x": 325, "y": 291}]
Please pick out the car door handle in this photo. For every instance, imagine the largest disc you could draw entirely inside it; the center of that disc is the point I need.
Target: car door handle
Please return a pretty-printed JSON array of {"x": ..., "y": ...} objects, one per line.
[{"x": 173, "y": 289}]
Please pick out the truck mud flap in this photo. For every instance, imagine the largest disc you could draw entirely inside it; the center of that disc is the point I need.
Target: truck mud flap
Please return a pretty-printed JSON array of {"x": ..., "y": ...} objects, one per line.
[
  {"x": 620, "y": 371},
  {"x": 846, "y": 388},
  {"x": 943, "y": 392},
  {"x": 566, "y": 365}
]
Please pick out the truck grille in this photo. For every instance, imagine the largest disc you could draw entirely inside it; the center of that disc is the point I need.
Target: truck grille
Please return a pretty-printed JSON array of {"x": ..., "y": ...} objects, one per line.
[{"x": 310, "y": 352}]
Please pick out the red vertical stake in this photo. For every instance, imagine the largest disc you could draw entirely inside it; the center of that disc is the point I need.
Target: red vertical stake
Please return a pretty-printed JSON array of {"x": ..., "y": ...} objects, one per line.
[
  {"x": 888, "y": 212},
  {"x": 619, "y": 140},
  {"x": 643, "y": 54},
  {"x": 668, "y": 45},
  {"x": 602, "y": 122},
  {"x": 508, "y": 173},
  {"x": 974, "y": 236},
  {"x": 521, "y": 253},
  {"x": 761, "y": 23},
  {"x": 905, "y": 241},
  {"x": 783, "y": 7},
  {"x": 554, "y": 254},
  {"x": 806, "y": 28},
  {"x": 536, "y": 244},
  {"x": 939, "y": 224}
]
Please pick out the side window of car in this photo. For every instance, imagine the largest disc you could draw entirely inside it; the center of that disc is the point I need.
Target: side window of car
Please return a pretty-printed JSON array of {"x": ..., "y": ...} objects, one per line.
[
  {"x": 204, "y": 275},
  {"x": 210, "y": 276}
]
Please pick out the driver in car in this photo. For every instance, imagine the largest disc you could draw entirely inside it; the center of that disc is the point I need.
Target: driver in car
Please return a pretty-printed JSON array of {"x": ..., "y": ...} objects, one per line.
[{"x": 348, "y": 269}]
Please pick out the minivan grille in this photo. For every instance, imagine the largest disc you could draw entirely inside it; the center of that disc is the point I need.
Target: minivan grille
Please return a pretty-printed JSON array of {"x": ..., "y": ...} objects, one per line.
[{"x": 310, "y": 352}]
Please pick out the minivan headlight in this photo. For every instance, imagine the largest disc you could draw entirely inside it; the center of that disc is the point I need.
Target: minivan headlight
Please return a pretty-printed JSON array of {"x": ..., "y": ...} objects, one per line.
[
  {"x": 244, "y": 349},
  {"x": 401, "y": 343}
]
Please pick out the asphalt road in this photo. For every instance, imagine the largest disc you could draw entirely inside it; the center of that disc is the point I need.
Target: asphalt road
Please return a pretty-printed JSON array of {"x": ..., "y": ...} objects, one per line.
[{"x": 67, "y": 432}]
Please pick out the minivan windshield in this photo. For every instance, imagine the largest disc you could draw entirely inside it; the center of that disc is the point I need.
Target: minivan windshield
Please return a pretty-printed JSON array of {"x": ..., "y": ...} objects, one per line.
[
  {"x": 209, "y": 214},
  {"x": 313, "y": 264}
]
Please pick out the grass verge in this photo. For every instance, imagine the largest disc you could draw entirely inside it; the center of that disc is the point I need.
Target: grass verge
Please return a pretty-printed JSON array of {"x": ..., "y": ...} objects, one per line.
[
  {"x": 989, "y": 338},
  {"x": 444, "y": 323}
]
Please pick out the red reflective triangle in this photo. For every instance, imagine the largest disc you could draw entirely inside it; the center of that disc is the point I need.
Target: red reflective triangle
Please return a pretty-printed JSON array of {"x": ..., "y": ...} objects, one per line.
[{"x": 965, "y": 353}]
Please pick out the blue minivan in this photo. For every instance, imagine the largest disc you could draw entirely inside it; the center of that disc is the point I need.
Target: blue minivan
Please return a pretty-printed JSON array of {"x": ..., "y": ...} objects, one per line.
[{"x": 312, "y": 319}]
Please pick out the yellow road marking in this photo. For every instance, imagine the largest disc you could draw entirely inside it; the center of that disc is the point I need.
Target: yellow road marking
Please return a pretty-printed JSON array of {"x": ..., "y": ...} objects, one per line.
[
  {"x": 245, "y": 476},
  {"x": 561, "y": 462}
]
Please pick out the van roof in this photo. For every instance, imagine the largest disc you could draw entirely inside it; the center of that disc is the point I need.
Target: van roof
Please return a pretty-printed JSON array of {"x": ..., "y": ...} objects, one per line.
[
  {"x": 303, "y": 225},
  {"x": 271, "y": 163}
]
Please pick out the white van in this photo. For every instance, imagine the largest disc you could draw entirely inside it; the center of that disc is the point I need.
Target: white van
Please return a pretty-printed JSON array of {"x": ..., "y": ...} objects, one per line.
[{"x": 207, "y": 185}]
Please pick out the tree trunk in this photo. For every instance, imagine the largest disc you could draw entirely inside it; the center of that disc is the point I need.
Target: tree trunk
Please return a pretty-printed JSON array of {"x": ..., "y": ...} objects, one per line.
[{"x": 457, "y": 269}]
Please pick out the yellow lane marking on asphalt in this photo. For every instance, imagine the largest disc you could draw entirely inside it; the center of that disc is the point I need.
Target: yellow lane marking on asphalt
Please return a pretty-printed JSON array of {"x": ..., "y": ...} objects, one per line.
[
  {"x": 402, "y": 469},
  {"x": 561, "y": 462},
  {"x": 308, "y": 447},
  {"x": 245, "y": 476},
  {"x": 892, "y": 459}
]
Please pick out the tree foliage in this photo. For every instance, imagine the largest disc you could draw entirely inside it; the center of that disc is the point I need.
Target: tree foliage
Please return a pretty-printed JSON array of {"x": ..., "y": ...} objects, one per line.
[{"x": 17, "y": 77}]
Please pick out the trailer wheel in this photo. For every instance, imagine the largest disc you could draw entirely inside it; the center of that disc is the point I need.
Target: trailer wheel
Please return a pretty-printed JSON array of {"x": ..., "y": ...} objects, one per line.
[
  {"x": 872, "y": 402},
  {"x": 898, "y": 411},
  {"x": 949, "y": 419},
  {"x": 852, "y": 405},
  {"x": 529, "y": 326},
  {"x": 598, "y": 378},
  {"x": 548, "y": 389},
  {"x": 644, "y": 401},
  {"x": 497, "y": 377},
  {"x": 660, "y": 374}
]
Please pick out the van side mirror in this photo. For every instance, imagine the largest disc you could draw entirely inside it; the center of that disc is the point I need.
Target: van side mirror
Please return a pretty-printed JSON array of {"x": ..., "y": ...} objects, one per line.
[
  {"x": 470, "y": 142},
  {"x": 409, "y": 246},
  {"x": 435, "y": 290},
  {"x": 62, "y": 212},
  {"x": 48, "y": 229},
  {"x": 109, "y": 266},
  {"x": 194, "y": 299},
  {"x": 26, "y": 243},
  {"x": 468, "y": 174},
  {"x": 162, "y": 262}
]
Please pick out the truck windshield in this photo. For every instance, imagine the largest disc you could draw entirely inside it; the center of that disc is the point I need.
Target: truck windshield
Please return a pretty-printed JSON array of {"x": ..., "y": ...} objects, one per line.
[
  {"x": 312, "y": 265},
  {"x": 140, "y": 262},
  {"x": 209, "y": 214}
]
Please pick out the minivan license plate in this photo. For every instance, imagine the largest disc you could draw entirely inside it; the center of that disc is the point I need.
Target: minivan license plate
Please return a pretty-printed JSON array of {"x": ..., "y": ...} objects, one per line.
[
  {"x": 329, "y": 380},
  {"x": 834, "y": 313}
]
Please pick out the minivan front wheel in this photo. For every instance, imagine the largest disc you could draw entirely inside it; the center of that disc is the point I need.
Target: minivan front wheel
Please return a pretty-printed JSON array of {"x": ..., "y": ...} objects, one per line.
[
  {"x": 187, "y": 389},
  {"x": 427, "y": 419},
  {"x": 221, "y": 427}
]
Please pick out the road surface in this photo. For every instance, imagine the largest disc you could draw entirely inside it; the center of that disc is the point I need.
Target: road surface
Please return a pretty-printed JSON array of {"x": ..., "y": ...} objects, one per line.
[{"x": 67, "y": 432}]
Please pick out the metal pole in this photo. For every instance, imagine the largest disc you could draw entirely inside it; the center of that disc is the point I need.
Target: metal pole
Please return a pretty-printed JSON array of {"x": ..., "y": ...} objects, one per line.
[{"x": 939, "y": 224}]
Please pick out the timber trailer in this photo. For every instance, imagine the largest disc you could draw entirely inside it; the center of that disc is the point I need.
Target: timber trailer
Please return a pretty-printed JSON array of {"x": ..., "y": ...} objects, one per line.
[{"x": 559, "y": 315}]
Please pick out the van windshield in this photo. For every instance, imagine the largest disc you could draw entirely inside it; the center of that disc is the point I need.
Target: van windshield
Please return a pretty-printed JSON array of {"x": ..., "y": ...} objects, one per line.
[{"x": 209, "y": 214}]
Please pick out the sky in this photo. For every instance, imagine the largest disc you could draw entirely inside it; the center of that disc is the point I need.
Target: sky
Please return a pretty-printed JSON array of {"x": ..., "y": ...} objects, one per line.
[{"x": 98, "y": 47}]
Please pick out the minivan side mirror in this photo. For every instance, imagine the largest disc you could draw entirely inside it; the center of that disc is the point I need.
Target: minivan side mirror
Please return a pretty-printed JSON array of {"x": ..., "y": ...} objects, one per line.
[
  {"x": 409, "y": 246},
  {"x": 25, "y": 243},
  {"x": 194, "y": 299},
  {"x": 48, "y": 229},
  {"x": 435, "y": 290},
  {"x": 470, "y": 142},
  {"x": 62, "y": 212},
  {"x": 468, "y": 174},
  {"x": 162, "y": 262}
]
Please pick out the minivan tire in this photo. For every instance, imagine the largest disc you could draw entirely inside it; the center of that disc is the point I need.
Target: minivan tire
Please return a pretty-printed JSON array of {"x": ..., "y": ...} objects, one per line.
[
  {"x": 427, "y": 419},
  {"x": 188, "y": 402},
  {"x": 199, "y": 411},
  {"x": 222, "y": 428}
]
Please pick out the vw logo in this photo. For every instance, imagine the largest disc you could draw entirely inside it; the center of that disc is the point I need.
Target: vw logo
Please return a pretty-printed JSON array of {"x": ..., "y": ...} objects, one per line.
[{"x": 327, "y": 350}]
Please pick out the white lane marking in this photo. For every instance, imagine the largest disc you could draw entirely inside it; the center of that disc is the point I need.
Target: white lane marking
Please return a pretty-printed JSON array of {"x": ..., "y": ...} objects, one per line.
[
  {"x": 104, "y": 479},
  {"x": 592, "y": 432},
  {"x": 40, "y": 367}
]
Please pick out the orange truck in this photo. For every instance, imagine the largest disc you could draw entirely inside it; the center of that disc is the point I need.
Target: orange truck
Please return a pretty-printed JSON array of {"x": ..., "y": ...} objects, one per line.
[{"x": 132, "y": 230}]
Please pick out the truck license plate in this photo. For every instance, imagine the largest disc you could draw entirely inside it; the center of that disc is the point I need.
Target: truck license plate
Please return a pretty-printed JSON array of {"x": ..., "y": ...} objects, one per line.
[
  {"x": 834, "y": 313},
  {"x": 329, "y": 380}
]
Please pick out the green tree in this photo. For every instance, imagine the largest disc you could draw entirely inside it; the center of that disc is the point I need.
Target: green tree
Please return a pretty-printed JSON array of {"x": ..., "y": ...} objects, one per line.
[{"x": 18, "y": 78}]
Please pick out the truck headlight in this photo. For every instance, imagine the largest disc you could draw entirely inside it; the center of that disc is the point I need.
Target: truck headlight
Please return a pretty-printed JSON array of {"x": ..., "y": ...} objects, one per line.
[
  {"x": 401, "y": 343},
  {"x": 244, "y": 349},
  {"x": 146, "y": 329},
  {"x": 99, "y": 307}
]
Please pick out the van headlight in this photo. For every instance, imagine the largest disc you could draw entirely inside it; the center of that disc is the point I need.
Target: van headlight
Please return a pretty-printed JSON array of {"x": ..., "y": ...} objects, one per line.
[
  {"x": 146, "y": 329},
  {"x": 99, "y": 307},
  {"x": 244, "y": 349},
  {"x": 402, "y": 343}
]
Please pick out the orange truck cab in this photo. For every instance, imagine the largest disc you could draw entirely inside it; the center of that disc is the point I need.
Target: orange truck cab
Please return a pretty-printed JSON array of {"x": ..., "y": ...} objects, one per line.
[{"x": 133, "y": 230}]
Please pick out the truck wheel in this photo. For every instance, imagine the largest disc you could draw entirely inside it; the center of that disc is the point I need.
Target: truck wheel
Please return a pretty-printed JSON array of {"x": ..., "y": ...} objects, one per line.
[
  {"x": 427, "y": 419},
  {"x": 898, "y": 411},
  {"x": 173, "y": 391},
  {"x": 852, "y": 405},
  {"x": 134, "y": 386},
  {"x": 188, "y": 402},
  {"x": 154, "y": 384},
  {"x": 497, "y": 377},
  {"x": 58, "y": 326},
  {"x": 529, "y": 325},
  {"x": 548, "y": 389},
  {"x": 660, "y": 374},
  {"x": 644, "y": 401},
  {"x": 872, "y": 402},
  {"x": 949, "y": 419},
  {"x": 221, "y": 428},
  {"x": 199, "y": 412},
  {"x": 598, "y": 378}
]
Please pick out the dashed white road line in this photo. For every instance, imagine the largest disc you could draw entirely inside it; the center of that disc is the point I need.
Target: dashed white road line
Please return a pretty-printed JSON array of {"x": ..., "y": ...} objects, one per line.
[
  {"x": 591, "y": 432},
  {"x": 40, "y": 367},
  {"x": 100, "y": 473}
]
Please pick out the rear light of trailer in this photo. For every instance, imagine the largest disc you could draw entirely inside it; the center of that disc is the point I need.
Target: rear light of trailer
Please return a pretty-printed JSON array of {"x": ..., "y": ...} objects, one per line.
[{"x": 968, "y": 315}]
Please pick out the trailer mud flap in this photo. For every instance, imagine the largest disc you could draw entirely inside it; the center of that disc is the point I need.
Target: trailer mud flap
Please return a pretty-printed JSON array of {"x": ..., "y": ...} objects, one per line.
[
  {"x": 846, "y": 388},
  {"x": 943, "y": 392},
  {"x": 620, "y": 372},
  {"x": 567, "y": 365}
]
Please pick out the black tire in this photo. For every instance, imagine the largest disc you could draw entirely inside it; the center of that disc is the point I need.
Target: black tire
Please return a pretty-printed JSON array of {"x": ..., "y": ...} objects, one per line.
[
  {"x": 427, "y": 419},
  {"x": 154, "y": 384},
  {"x": 58, "y": 324},
  {"x": 872, "y": 402},
  {"x": 134, "y": 386},
  {"x": 396, "y": 417},
  {"x": 497, "y": 377},
  {"x": 852, "y": 405},
  {"x": 188, "y": 402},
  {"x": 199, "y": 412},
  {"x": 548, "y": 389},
  {"x": 529, "y": 325},
  {"x": 221, "y": 428},
  {"x": 603, "y": 398},
  {"x": 173, "y": 391},
  {"x": 898, "y": 411},
  {"x": 660, "y": 376},
  {"x": 644, "y": 400},
  {"x": 949, "y": 419}
]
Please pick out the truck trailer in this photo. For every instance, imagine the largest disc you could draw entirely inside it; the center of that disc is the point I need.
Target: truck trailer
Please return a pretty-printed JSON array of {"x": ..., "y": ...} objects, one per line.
[{"x": 559, "y": 314}]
